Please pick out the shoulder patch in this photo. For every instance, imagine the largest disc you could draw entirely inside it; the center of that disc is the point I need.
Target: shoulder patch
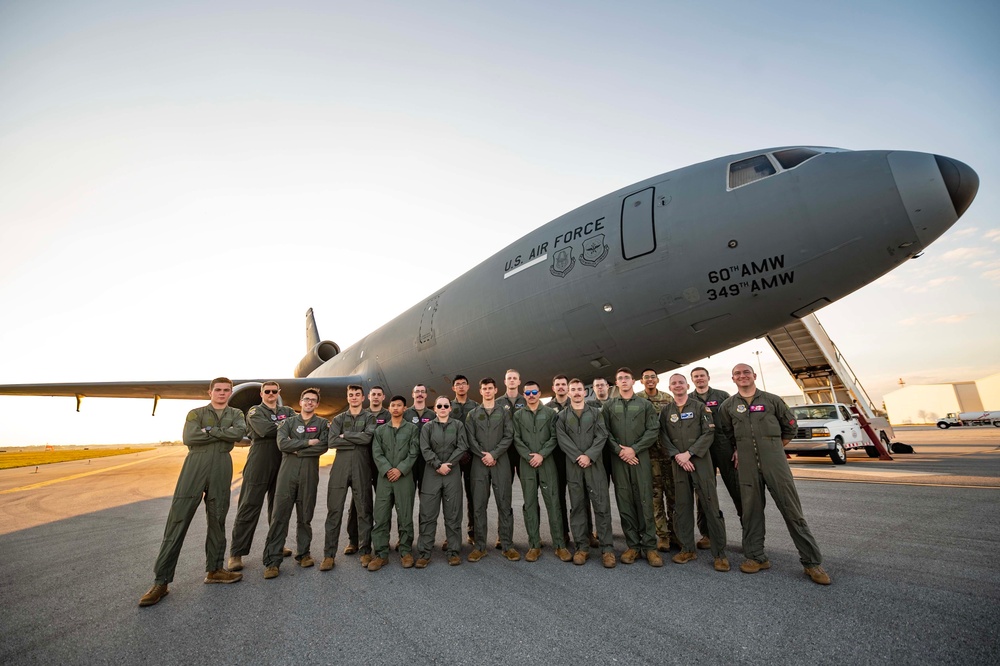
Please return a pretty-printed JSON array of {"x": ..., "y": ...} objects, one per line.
[
  {"x": 192, "y": 416},
  {"x": 253, "y": 410}
]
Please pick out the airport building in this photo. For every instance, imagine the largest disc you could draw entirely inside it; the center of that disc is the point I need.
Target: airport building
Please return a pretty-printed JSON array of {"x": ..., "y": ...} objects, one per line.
[{"x": 926, "y": 403}]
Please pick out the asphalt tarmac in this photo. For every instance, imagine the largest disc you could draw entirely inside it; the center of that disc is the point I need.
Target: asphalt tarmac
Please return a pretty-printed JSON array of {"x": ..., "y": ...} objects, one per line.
[{"x": 911, "y": 545}]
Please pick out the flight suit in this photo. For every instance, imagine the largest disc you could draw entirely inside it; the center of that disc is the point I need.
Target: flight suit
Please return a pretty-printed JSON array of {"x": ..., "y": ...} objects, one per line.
[
  {"x": 633, "y": 422},
  {"x": 397, "y": 448},
  {"x": 758, "y": 427},
  {"x": 350, "y": 469},
  {"x": 491, "y": 432},
  {"x": 722, "y": 453},
  {"x": 419, "y": 417},
  {"x": 298, "y": 482},
  {"x": 441, "y": 443},
  {"x": 260, "y": 474},
  {"x": 381, "y": 417},
  {"x": 206, "y": 474},
  {"x": 535, "y": 432},
  {"x": 560, "y": 460},
  {"x": 690, "y": 428},
  {"x": 663, "y": 478},
  {"x": 512, "y": 405},
  {"x": 594, "y": 402},
  {"x": 586, "y": 434},
  {"x": 459, "y": 410}
]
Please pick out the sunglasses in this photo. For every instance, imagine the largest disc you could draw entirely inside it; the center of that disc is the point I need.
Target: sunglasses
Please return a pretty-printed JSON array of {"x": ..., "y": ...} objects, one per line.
[
  {"x": 271, "y": 391},
  {"x": 442, "y": 406},
  {"x": 532, "y": 392}
]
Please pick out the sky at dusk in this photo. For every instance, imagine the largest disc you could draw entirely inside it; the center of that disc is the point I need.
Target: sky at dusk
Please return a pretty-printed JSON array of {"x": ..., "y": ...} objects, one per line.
[{"x": 181, "y": 181}]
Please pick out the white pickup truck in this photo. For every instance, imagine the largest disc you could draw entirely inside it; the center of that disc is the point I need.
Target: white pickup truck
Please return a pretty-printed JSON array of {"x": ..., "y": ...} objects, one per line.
[
  {"x": 970, "y": 419},
  {"x": 831, "y": 429}
]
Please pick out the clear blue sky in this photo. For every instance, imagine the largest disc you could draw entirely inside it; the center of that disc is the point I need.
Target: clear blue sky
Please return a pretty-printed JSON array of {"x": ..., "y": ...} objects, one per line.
[{"x": 182, "y": 180}]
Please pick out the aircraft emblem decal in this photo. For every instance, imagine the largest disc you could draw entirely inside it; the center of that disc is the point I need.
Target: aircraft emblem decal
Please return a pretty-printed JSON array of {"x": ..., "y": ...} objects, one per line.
[
  {"x": 562, "y": 262},
  {"x": 594, "y": 251}
]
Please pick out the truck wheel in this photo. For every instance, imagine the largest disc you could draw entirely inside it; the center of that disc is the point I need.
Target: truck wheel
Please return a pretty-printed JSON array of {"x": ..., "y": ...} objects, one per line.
[
  {"x": 942, "y": 425},
  {"x": 838, "y": 454},
  {"x": 996, "y": 424},
  {"x": 871, "y": 451}
]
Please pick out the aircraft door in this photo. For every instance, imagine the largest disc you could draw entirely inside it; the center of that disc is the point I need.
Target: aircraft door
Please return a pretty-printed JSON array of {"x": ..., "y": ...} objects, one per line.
[{"x": 638, "y": 234}]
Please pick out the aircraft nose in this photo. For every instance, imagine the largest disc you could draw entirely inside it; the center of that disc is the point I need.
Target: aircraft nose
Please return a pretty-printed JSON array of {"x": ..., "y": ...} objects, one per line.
[
  {"x": 962, "y": 182},
  {"x": 935, "y": 190}
]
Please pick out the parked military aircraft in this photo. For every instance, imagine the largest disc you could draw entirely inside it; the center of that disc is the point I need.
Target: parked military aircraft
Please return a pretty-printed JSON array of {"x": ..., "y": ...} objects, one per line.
[{"x": 658, "y": 274}]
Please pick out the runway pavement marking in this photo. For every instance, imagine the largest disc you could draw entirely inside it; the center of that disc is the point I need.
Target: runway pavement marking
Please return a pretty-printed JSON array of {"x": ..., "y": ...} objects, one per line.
[
  {"x": 896, "y": 483},
  {"x": 870, "y": 472},
  {"x": 42, "y": 484}
]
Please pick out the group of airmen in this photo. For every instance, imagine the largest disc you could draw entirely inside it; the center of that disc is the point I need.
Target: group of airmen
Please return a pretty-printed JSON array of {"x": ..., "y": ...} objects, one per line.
[{"x": 661, "y": 450}]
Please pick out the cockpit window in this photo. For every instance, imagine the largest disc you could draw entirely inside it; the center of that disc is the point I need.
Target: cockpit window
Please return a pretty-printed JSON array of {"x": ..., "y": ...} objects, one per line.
[
  {"x": 791, "y": 158},
  {"x": 750, "y": 170}
]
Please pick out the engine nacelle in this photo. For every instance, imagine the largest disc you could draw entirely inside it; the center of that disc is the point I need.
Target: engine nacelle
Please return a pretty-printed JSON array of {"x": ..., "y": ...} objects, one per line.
[{"x": 315, "y": 357}]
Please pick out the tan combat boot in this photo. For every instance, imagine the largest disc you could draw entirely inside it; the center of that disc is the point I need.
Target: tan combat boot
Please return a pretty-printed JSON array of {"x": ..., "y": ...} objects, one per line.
[{"x": 154, "y": 595}]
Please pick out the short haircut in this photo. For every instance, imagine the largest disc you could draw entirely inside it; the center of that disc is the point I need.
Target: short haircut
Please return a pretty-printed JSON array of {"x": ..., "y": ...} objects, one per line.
[
  {"x": 531, "y": 383},
  {"x": 355, "y": 387},
  {"x": 376, "y": 388},
  {"x": 576, "y": 380},
  {"x": 650, "y": 369},
  {"x": 559, "y": 377},
  {"x": 459, "y": 377},
  {"x": 626, "y": 370},
  {"x": 488, "y": 380},
  {"x": 220, "y": 380},
  {"x": 270, "y": 382},
  {"x": 397, "y": 398},
  {"x": 510, "y": 370},
  {"x": 314, "y": 391},
  {"x": 416, "y": 386},
  {"x": 694, "y": 370},
  {"x": 601, "y": 379}
]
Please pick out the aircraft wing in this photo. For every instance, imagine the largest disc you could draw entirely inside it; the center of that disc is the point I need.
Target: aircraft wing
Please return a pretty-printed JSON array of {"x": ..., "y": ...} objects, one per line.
[{"x": 333, "y": 391}]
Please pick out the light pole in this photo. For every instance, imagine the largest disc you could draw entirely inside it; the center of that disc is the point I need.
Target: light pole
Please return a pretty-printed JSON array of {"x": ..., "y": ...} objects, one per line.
[{"x": 760, "y": 370}]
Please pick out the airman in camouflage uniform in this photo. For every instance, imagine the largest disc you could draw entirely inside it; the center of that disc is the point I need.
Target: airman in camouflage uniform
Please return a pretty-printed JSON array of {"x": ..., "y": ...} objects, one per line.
[{"x": 659, "y": 463}]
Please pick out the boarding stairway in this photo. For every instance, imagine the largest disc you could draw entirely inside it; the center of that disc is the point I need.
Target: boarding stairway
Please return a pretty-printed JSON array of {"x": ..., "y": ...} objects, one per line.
[{"x": 821, "y": 371}]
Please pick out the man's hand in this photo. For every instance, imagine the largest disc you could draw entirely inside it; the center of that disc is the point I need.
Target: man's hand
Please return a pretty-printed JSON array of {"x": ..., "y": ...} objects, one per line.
[
  {"x": 313, "y": 442},
  {"x": 736, "y": 460},
  {"x": 489, "y": 460},
  {"x": 393, "y": 475},
  {"x": 628, "y": 455},
  {"x": 583, "y": 461},
  {"x": 444, "y": 469},
  {"x": 535, "y": 460}
]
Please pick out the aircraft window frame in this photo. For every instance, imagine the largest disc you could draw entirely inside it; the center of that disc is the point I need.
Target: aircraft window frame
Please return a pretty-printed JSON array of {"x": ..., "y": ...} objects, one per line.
[
  {"x": 794, "y": 156},
  {"x": 756, "y": 162},
  {"x": 775, "y": 162}
]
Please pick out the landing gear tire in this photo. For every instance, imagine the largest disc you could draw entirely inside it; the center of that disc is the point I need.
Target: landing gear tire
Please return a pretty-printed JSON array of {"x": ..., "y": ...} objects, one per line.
[
  {"x": 838, "y": 454},
  {"x": 871, "y": 451}
]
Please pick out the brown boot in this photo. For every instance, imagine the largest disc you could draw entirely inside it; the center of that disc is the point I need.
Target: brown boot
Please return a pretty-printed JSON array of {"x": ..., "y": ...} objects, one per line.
[
  {"x": 721, "y": 564},
  {"x": 654, "y": 558},
  {"x": 563, "y": 554},
  {"x": 684, "y": 557},
  {"x": 817, "y": 575},
  {"x": 454, "y": 560},
  {"x": 351, "y": 549},
  {"x": 406, "y": 561},
  {"x": 753, "y": 566},
  {"x": 476, "y": 555},
  {"x": 609, "y": 561},
  {"x": 235, "y": 563},
  {"x": 663, "y": 545},
  {"x": 630, "y": 556},
  {"x": 306, "y": 561},
  {"x": 327, "y": 564},
  {"x": 422, "y": 563},
  {"x": 270, "y": 572},
  {"x": 594, "y": 541},
  {"x": 512, "y": 554},
  {"x": 286, "y": 552},
  {"x": 366, "y": 559},
  {"x": 376, "y": 563},
  {"x": 154, "y": 595},
  {"x": 533, "y": 554},
  {"x": 704, "y": 543},
  {"x": 580, "y": 557},
  {"x": 223, "y": 576}
]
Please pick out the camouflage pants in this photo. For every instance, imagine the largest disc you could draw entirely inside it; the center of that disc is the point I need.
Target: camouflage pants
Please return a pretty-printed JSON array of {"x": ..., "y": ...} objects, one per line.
[{"x": 663, "y": 497}]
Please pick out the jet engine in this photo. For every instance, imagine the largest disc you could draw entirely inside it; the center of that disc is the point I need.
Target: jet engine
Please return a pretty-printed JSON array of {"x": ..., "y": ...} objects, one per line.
[{"x": 315, "y": 357}]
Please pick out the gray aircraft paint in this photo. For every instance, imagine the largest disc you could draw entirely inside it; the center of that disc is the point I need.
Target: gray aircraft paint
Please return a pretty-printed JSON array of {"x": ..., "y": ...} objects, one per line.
[{"x": 658, "y": 274}]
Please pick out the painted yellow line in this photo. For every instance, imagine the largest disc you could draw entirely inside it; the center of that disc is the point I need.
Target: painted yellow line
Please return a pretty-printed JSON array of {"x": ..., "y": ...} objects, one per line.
[
  {"x": 42, "y": 484},
  {"x": 896, "y": 483}
]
